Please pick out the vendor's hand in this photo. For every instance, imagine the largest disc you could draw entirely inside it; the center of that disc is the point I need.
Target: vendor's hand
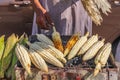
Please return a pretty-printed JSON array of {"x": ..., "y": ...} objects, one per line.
[{"x": 43, "y": 20}]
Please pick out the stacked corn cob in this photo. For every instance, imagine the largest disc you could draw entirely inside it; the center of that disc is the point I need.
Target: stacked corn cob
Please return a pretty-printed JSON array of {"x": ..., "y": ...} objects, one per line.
[
  {"x": 44, "y": 39},
  {"x": 38, "y": 61},
  {"x": 45, "y": 55},
  {"x": 92, "y": 51},
  {"x": 88, "y": 44},
  {"x": 74, "y": 38},
  {"x": 41, "y": 52},
  {"x": 57, "y": 39},
  {"x": 102, "y": 57},
  {"x": 22, "y": 55},
  {"x": 77, "y": 46}
]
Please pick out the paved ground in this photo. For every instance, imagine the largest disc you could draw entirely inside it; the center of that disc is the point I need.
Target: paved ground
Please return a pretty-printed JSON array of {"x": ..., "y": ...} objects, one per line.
[{"x": 15, "y": 20}]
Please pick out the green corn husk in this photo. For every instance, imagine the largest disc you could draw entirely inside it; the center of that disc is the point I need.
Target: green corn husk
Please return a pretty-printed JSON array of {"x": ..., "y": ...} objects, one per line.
[
  {"x": 23, "y": 39},
  {"x": 7, "y": 55},
  {"x": 11, "y": 72},
  {"x": 2, "y": 45}
]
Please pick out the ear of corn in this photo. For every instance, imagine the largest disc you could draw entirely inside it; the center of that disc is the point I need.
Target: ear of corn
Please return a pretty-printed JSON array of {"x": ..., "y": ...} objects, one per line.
[
  {"x": 52, "y": 50},
  {"x": 57, "y": 40},
  {"x": 77, "y": 46},
  {"x": 58, "y": 54},
  {"x": 7, "y": 54},
  {"x": 102, "y": 57},
  {"x": 74, "y": 38},
  {"x": 11, "y": 41},
  {"x": 10, "y": 71},
  {"x": 38, "y": 61},
  {"x": 45, "y": 55},
  {"x": 88, "y": 44},
  {"x": 41, "y": 44},
  {"x": 23, "y": 57},
  {"x": 93, "y": 50},
  {"x": 2, "y": 45},
  {"x": 105, "y": 54},
  {"x": 45, "y": 39}
]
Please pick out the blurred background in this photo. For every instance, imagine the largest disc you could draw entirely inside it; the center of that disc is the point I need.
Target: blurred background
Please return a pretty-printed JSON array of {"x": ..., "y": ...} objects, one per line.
[{"x": 16, "y": 16}]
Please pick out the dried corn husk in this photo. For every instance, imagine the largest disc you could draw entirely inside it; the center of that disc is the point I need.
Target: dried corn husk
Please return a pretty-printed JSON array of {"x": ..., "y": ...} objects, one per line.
[{"x": 93, "y": 8}]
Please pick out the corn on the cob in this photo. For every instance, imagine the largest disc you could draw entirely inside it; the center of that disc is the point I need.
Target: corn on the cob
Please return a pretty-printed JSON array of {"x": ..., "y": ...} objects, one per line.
[
  {"x": 58, "y": 54},
  {"x": 38, "y": 61},
  {"x": 102, "y": 57},
  {"x": 45, "y": 55},
  {"x": 45, "y": 39},
  {"x": 105, "y": 54},
  {"x": 93, "y": 50},
  {"x": 88, "y": 44},
  {"x": 77, "y": 46},
  {"x": 2, "y": 45},
  {"x": 52, "y": 50},
  {"x": 43, "y": 45},
  {"x": 10, "y": 71},
  {"x": 102, "y": 52},
  {"x": 57, "y": 40},
  {"x": 23, "y": 57},
  {"x": 7, "y": 54},
  {"x": 74, "y": 38}
]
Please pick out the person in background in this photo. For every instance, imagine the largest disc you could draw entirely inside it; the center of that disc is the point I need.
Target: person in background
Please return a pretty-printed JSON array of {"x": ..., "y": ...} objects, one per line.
[
  {"x": 68, "y": 16},
  {"x": 117, "y": 56}
]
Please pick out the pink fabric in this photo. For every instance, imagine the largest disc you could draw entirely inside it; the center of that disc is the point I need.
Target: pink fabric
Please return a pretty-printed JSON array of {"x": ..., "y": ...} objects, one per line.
[{"x": 69, "y": 16}]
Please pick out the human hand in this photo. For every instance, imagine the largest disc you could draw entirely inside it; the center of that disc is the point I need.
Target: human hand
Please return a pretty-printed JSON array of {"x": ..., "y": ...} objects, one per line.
[{"x": 44, "y": 20}]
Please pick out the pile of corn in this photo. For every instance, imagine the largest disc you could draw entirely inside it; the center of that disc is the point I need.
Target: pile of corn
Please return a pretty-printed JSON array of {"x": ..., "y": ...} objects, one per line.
[
  {"x": 8, "y": 57},
  {"x": 43, "y": 51},
  {"x": 93, "y": 8}
]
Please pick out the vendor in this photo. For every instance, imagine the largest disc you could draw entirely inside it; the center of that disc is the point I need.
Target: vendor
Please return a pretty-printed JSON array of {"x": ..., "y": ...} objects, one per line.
[{"x": 69, "y": 17}]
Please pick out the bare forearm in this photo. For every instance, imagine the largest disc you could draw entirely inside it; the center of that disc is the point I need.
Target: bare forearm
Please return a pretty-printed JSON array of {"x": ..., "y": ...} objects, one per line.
[{"x": 37, "y": 6}]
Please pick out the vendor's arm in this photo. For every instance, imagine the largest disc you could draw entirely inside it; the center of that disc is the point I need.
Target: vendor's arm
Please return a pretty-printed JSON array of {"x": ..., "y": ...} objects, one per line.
[{"x": 42, "y": 17}]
